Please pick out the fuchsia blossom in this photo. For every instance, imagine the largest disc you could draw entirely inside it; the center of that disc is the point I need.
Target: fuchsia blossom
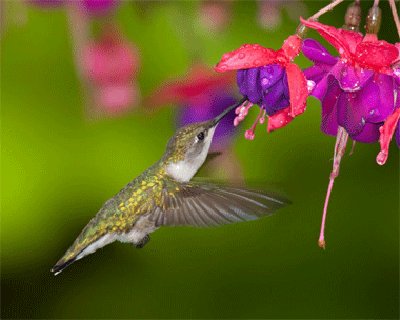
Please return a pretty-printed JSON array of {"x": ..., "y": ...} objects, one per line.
[
  {"x": 111, "y": 64},
  {"x": 357, "y": 91},
  {"x": 270, "y": 79},
  {"x": 361, "y": 82}
]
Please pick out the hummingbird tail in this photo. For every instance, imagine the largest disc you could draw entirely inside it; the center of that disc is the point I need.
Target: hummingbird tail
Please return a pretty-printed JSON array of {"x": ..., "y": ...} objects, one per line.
[
  {"x": 61, "y": 265},
  {"x": 80, "y": 249}
]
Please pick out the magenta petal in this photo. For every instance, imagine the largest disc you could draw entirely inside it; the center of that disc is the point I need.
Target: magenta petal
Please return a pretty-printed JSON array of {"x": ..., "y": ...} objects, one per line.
[
  {"x": 329, "y": 124},
  {"x": 386, "y": 97},
  {"x": 350, "y": 78},
  {"x": 369, "y": 133},
  {"x": 317, "y": 53},
  {"x": 314, "y": 73},
  {"x": 362, "y": 113},
  {"x": 321, "y": 88}
]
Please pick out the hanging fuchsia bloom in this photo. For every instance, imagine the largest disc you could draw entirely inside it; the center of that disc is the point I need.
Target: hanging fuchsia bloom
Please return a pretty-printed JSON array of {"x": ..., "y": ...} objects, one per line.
[
  {"x": 112, "y": 64},
  {"x": 270, "y": 79},
  {"x": 202, "y": 95},
  {"x": 357, "y": 91},
  {"x": 361, "y": 83}
]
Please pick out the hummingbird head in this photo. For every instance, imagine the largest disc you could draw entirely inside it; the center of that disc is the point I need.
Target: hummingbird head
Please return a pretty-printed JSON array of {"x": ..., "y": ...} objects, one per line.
[{"x": 188, "y": 148}]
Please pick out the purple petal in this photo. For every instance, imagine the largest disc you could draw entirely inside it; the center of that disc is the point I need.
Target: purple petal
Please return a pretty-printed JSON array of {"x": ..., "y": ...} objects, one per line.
[
  {"x": 321, "y": 87},
  {"x": 350, "y": 79},
  {"x": 317, "y": 53},
  {"x": 329, "y": 124},
  {"x": 372, "y": 104},
  {"x": 397, "y": 134},
  {"x": 314, "y": 73},
  {"x": 270, "y": 75},
  {"x": 369, "y": 133},
  {"x": 386, "y": 98},
  {"x": 250, "y": 86},
  {"x": 277, "y": 97}
]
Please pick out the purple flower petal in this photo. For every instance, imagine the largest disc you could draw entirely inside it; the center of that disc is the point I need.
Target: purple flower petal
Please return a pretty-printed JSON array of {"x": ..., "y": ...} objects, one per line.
[
  {"x": 317, "y": 53},
  {"x": 270, "y": 75},
  {"x": 314, "y": 73},
  {"x": 350, "y": 79},
  {"x": 276, "y": 97},
  {"x": 266, "y": 86},
  {"x": 329, "y": 124},
  {"x": 397, "y": 134},
  {"x": 386, "y": 98},
  {"x": 369, "y": 133},
  {"x": 372, "y": 104},
  {"x": 251, "y": 86}
]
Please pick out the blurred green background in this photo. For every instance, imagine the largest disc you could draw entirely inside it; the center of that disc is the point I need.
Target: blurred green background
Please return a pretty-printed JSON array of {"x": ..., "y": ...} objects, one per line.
[{"x": 57, "y": 169}]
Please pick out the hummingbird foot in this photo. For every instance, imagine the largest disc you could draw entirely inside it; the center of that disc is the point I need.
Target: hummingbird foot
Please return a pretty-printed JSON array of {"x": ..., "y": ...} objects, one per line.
[{"x": 142, "y": 242}]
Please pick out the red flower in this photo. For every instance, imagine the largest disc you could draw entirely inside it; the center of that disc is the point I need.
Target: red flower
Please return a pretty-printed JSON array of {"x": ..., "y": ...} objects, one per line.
[
  {"x": 365, "y": 52},
  {"x": 254, "y": 56}
]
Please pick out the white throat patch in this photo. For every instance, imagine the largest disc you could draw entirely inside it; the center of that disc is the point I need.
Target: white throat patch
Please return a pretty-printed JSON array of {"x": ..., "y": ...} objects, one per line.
[{"x": 183, "y": 171}]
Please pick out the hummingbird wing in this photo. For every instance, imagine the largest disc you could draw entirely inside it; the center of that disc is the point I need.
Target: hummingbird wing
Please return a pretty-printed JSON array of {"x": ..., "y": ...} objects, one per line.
[{"x": 206, "y": 204}]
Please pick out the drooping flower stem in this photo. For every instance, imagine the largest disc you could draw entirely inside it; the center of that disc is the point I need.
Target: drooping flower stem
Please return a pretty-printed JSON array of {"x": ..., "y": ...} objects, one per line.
[
  {"x": 340, "y": 148},
  {"x": 325, "y": 9},
  {"x": 395, "y": 16}
]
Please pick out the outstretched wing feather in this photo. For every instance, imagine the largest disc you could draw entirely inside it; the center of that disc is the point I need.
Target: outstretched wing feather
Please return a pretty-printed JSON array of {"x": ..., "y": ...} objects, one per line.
[{"x": 205, "y": 205}]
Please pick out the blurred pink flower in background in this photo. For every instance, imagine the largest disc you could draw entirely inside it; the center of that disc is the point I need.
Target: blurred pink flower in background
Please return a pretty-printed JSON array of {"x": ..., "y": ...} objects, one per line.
[
  {"x": 215, "y": 15},
  {"x": 111, "y": 64},
  {"x": 270, "y": 12},
  {"x": 91, "y": 7}
]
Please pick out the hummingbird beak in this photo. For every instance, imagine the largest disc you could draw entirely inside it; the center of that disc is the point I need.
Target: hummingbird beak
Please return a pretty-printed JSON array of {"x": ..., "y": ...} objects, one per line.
[{"x": 218, "y": 118}]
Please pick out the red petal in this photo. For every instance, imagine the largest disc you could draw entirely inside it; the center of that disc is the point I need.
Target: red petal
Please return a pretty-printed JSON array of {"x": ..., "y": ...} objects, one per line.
[
  {"x": 387, "y": 131},
  {"x": 279, "y": 120},
  {"x": 344, "y": 41},
  {"x": 291, "y": 47},
  {"x": 247, "y": 56},
  {"x": 376, "y": 54},
  {"x": 298, "y": 91}
]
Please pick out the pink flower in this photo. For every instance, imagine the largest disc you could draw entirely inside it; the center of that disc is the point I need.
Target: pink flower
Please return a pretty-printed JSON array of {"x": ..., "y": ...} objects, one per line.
[
  {"x": 215, "y": 15},
  {"x": 111, "y": 64},
  {"x": 253, "y": 61}
]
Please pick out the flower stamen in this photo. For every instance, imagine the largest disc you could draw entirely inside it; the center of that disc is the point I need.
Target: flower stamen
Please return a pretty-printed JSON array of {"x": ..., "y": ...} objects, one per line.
[
  {"x": 242, "y": 112},
  {"x": 340, "y": 148},
  {"x": 250, "y": 133}
]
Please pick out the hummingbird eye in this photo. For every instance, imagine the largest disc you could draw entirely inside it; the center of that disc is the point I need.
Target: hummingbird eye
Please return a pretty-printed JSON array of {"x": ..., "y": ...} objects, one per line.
[{"x": 200, "y": 136}]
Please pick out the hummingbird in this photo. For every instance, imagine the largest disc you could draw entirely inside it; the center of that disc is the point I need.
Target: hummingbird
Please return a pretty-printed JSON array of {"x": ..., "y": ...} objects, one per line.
[{"x": 166, "y": 195}]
